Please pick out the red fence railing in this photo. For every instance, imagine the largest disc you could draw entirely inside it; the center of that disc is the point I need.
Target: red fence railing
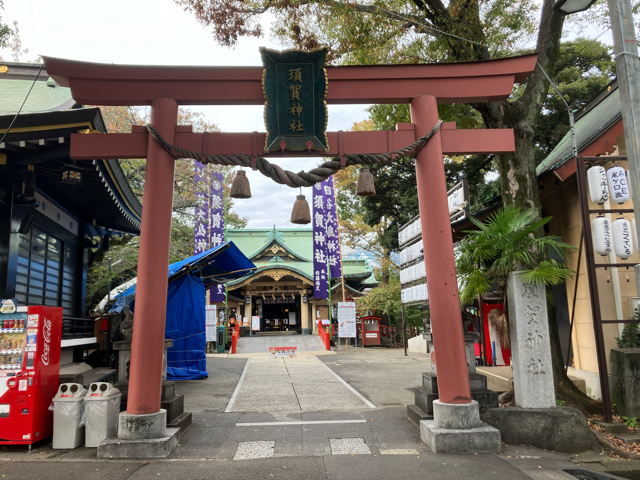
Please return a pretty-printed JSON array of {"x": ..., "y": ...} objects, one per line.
[
  {"x": 324, "y": 336},
  {"x": 234, "y": 338}
]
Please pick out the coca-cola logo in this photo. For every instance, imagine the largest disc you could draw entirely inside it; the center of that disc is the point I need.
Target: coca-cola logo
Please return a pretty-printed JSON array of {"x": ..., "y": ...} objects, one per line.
[{"x": 46, "y": 333}]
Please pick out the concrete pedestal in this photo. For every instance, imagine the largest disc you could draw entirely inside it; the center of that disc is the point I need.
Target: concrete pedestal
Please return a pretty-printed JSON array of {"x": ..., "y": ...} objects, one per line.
[
  {"x": 562, "y": 429},
  {"x": 456, "y": 428},
  {"x": 141, "y": 436},
  {"x": 625, "y": 387},
  {"x": 470, "y": 339},
  {"x": 124, "y": 363}
]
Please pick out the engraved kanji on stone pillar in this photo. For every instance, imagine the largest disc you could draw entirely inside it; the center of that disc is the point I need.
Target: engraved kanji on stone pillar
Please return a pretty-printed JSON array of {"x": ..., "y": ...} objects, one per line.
[{"x": 530, "y": 345}]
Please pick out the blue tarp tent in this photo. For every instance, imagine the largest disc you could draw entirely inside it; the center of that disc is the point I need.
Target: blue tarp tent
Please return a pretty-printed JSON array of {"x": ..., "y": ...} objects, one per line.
[{"x": 185, "y": 324}]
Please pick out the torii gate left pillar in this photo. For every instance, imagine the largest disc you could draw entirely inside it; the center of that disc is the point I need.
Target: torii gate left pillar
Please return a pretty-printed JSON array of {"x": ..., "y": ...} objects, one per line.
[{"x": 164, "y": 88}]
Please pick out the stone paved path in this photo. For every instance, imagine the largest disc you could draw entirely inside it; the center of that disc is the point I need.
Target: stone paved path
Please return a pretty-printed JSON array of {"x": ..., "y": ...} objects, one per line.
[{"x": 302, "y": 383}]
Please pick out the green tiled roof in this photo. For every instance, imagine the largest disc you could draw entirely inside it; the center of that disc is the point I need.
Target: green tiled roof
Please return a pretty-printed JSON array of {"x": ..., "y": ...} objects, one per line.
[
  {"x": 602, "y": 113},
  {"x": 298, "y": 242},
  {"x": 45, "y": 96}
]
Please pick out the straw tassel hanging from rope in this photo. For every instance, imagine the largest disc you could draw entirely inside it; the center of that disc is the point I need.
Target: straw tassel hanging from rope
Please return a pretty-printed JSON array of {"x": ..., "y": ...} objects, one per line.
[
  {"x": 301, "y": 214},
  {"x": 240, "y": 187},
  {"x": 365, "y": 186}
]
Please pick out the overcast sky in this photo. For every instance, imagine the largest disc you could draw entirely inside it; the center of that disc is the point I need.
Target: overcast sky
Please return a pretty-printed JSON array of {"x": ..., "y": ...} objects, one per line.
[{"x": 159, "y": 32}]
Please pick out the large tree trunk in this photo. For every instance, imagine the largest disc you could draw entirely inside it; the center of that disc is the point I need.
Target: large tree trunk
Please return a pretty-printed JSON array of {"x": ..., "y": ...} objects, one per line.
[{"x": 518, "y": 178}]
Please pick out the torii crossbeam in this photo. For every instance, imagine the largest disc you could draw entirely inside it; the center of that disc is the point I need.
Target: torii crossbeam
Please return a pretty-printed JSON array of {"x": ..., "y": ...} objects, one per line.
[{"x": 165, "y": 88}]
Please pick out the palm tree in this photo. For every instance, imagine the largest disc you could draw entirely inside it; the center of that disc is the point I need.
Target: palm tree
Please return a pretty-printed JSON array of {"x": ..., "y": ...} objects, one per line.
[{"x": 506, "y": 242}]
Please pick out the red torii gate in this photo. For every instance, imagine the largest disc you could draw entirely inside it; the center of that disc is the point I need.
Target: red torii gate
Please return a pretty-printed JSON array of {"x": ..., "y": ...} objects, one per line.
[{"x": 165, "y": 88}]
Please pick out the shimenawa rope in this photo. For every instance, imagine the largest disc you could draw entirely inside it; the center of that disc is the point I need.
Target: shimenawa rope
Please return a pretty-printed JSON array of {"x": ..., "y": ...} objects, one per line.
[{"x": 300, "y": 179}]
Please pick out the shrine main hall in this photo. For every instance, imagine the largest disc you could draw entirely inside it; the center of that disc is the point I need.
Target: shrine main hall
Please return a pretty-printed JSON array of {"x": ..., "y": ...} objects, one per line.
[{"x": 280, "y": 291}]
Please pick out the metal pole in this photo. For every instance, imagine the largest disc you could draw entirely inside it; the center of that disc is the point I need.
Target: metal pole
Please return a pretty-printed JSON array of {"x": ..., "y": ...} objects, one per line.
[
  {"x": 573, "y": 308},
  {"x": 330, "y": 319},
  {"x": 628, "y": 72},
  {"x": 404, "y": 328}
]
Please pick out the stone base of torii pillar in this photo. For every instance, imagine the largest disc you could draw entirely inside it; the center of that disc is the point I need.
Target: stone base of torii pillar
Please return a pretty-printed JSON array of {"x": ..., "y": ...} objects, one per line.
[{"x": 456, "y": 428}]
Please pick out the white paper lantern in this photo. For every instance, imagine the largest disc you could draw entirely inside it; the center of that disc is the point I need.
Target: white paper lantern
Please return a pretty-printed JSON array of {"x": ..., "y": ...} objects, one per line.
[
  {"x": 597, "y": 179},
  {"x": 634, "y": 233},
  {"x": 601, "y": 230},
  {"x": 622, "y": 238},
  {"x": 618, "y": 184}
]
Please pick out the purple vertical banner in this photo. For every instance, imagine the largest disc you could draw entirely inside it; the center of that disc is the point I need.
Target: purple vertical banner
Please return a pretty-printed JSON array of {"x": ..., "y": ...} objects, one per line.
[
  {"x": 201, "y": 224},
  {"x": 331, "y": 227},
  {"x": 320, "y": 280},
  {"x": 216, "y": 230}
]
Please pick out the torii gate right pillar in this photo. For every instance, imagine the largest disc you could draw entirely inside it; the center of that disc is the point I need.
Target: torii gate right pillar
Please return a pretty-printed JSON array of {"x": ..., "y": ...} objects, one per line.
[{"x": 456, "y": 425}]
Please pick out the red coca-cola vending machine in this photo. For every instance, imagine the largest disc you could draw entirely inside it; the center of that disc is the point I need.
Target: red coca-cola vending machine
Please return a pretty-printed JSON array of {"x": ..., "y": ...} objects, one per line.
[{"x": 29, "y": 370}]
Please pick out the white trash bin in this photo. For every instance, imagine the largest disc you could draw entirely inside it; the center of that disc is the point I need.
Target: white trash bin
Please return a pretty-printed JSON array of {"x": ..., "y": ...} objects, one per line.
[
  {"x": 101, "y": 411},
  {"x": 68, "y": 410}
]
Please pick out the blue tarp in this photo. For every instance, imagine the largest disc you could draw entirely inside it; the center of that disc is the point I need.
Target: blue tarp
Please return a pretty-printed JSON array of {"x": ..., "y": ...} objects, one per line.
[
  {"x": 185, "y": 323},
  {"x": 216, "y": 266},
  {"x": 186, "y": 359}
]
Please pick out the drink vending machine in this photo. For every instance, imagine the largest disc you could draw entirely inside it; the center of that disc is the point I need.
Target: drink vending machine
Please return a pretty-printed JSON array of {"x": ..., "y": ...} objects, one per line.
[{"x": 29, "y": 370}]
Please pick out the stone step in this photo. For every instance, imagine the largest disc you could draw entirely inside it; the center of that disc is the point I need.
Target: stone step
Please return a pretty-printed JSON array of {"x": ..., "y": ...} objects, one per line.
[
  {"x": 628, "y": 438},
  {"x": 174, "y": 406},
  {"x": 168, "y": 389},
  {"x": 486, "y": 399},
  {"x": 184, "y": 422},
  {"x": 414, "y": 415},
  {"x": 477, "y": 381},
  {"x": 424, "y": 399}
]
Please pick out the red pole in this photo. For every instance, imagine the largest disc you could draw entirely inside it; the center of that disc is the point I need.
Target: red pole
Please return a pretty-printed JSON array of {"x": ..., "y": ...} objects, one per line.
[
  {"x": 446, "y": 319},
  {"x": 145, "y": 380}
]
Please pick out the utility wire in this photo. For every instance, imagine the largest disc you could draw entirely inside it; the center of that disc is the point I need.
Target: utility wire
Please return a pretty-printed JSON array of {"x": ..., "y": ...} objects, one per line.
[{"x": 21, "y": 106}]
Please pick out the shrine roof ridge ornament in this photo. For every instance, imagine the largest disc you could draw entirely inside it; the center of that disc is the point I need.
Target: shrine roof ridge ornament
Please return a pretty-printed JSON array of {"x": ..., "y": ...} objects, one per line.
[{"x": 481, "y": 81}]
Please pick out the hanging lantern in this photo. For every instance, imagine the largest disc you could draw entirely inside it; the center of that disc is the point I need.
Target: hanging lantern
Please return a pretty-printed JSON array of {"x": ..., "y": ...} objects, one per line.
[
  {"x": 240, "y": 187},
  {"x": 301, "y": 213},
  {"x": 618, "y": 184},
  {"x": 365, "y": 185},
  {"x": 30, "y": 183},
  {"x": 71, "y": 176},
  {"x": 597, "y": 179},
  {"x": 622, "y": 239},
  {"x": 634, "y": 233},
  {"x": 601, "y": 229}
]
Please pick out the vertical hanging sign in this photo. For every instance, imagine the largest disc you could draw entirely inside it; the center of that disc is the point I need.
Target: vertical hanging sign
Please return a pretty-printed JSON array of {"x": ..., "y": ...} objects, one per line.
[
  {"x": 320, "y": 280},
  {"x": 216, "y": 220},
  {"x": 201, "y": 225},
  {"x": 331, "y": 227},
  {"x": 295, "y": 88}
]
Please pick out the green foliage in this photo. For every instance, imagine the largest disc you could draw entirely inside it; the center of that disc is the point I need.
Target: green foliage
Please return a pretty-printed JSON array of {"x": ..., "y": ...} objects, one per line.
[
  {"x": 508, "y": 241},
  {"x": 5, "y": 30},
  {"x": 584, "y": 69},
  {"x": 630, "y": 334},
  {"x": 631, "y": 422},
  {"x": 560, "y": 403},
  {"x": 385, "y": 300}
]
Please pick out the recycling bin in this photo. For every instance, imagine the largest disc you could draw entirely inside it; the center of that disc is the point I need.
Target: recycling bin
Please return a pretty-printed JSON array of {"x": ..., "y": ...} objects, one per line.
[
  {"x": 68, "y": 410},
  {"x": 102, "y": 407}
]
